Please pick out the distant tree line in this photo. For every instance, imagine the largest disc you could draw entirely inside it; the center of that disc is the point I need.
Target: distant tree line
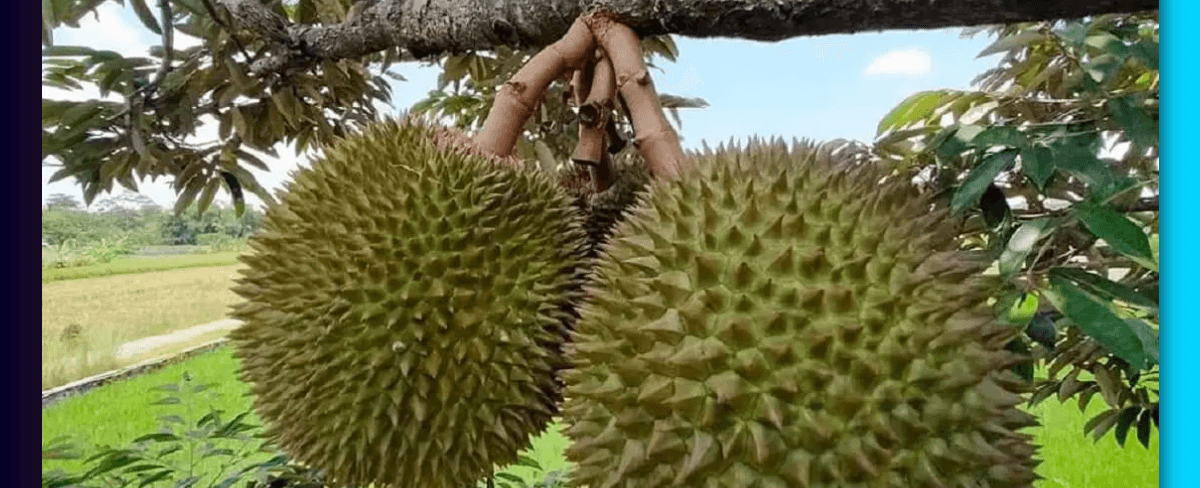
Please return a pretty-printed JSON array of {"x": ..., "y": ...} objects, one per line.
[{"x": 138, "y": 221}]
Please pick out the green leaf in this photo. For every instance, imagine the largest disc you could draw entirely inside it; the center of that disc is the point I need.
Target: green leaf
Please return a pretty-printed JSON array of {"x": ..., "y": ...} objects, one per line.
[
  {"x": 68, "y": 51},
  {"x": 1147, "y": 51},
  {"x": 1148, "y": 336},
  {"x": 1008, "y": 43},
  {"x": 1143, "y": 428},
  {"x": 528, "y": 462},
  {"x": 1000, "y": 136},
  {"x": 1023, "y": 309},
  {"x": 154, "y": 477},
  {"x": 1077, "y": 157},
  {"x": 160, "y": 437},
  {"x": 206, "y": 196},
  {"x": 185, "y": 199},
  {"x": 978, "y": 180},
  {"x": 1101, "y": 423},
  {"x": 1139, "y": 126},
  {"x": 146, "y": 16},
  {"x": 913, "y": 108},
  {"x": 545, "y": 156},
  {"x": 1107, "y": 42},
  {"x": 1101, "y": 68},
  {"x": 1042, "y": 330},
  {"x": 1097, "y": 321},
  {"x": 455, "y": 69},
  {"x": 1037, "y": 162},
  {"x": 1120, "y": 233},
  {"x": 954, "y": 140},
  {"x": 1126, "y": 419},
  {"x": 1021, "y": 243},
  {"x": 1104, "y": 288}
]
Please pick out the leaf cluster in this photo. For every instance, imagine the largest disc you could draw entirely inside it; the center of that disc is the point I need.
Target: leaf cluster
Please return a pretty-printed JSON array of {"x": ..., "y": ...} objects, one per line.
[
  {"x": 145, "y": 123},
  {"x": 1055, "y": 159}
]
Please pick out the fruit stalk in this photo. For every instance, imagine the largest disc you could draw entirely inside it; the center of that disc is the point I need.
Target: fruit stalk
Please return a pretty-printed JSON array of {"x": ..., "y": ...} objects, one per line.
[
  {"x": 520, "y": 95},
  {"x": 593, "y": 119},
  {"x": 654, "y": 138}
]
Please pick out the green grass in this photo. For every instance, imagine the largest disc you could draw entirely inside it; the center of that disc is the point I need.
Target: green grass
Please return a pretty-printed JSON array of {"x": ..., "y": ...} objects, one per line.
[
  {"x": 1074, "y": 461},
  {"x": 117, "y": 413},
  {"x": 1070, "y": 459},
  {"x": 135, "y": 264},
  {"x": 107, "y": 311}
]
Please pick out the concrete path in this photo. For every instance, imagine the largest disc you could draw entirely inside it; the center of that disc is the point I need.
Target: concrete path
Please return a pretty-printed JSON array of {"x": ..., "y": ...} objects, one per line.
[{"x": 142, "y": 346}]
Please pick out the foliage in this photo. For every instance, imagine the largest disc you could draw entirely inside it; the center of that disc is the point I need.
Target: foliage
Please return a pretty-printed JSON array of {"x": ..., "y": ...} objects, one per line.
[
  {"x": 467, "y": 89},
  {"x": 69, "y": 253},
  {"x": 59, "y": 201},
  {"x": 1055, "y": 157},
  {"x": 116, "y": 227},
  {"x": 173, "y": 456},
  {"x": 188, "y": 227},
  {"x": 145, "y": 123}
]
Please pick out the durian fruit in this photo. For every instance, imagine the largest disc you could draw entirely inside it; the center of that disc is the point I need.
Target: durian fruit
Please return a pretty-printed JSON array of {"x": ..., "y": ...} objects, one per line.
[
  {"x": 791, "y": 317},
  {"x": 604, "y": 210},
  {"x": 405, "y": 310}
]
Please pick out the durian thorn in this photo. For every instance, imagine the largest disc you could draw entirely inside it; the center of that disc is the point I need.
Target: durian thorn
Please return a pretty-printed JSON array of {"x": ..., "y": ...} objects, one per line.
[
  {"x": 516, "y": 99},
  {"x": 657, "y": 142}
]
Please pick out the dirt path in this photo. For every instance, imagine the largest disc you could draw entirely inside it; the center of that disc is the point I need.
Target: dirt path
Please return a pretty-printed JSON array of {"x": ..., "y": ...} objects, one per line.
[{"x": 148, "y": 344}]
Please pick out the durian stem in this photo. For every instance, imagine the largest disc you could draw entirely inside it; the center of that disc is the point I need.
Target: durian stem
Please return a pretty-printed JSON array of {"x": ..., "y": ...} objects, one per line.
[
  {"x": 520, "y": 95},
  {"x": 655, "y": 139},
  {"x": 593, "y": 120}
]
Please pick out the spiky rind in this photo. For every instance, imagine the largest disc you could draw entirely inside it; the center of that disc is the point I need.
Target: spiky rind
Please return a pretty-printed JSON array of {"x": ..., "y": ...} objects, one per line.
[
  {"x": 604, "y": 210},
  {"x": 791, "y": 318},
  {"x": 405, "y": 311}
]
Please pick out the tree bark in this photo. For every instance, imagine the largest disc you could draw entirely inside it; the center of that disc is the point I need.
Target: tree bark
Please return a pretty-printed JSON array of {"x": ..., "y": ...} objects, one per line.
[{"x": 428, "y": 28}]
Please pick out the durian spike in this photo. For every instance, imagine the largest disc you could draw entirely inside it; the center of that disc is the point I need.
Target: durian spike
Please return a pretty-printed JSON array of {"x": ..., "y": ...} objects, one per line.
[
  {"x": 655, "y": 139},
  {"x": 520, "y": 95}
]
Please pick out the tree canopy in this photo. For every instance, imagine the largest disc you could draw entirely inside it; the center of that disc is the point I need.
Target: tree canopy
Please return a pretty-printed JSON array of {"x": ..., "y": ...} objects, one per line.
[{"x": 302, "y": 72}]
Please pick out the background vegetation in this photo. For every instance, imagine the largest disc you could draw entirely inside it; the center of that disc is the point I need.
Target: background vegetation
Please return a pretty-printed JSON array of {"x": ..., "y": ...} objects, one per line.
[{"x": 123, "y": 224}]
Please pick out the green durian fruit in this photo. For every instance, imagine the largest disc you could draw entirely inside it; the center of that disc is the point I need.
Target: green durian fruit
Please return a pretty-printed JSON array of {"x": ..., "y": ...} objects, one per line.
[
  {"x": 406, "y": 307},
  {"x": 604, "y": 210},
  {"x": 792, "y": 317}
]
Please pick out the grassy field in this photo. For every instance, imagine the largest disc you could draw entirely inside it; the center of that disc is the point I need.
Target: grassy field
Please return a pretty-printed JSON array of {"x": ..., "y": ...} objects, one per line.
[
  {"x": 1071, "y": 461},
  {"x": 85, "y": 320},
  {"x": 139, "y": 264},
  {"x": 91, "y": 417}
]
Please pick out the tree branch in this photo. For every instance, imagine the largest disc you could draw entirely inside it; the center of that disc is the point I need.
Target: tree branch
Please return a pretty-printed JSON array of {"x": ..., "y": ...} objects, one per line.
[{"x": 428, "y": 28}]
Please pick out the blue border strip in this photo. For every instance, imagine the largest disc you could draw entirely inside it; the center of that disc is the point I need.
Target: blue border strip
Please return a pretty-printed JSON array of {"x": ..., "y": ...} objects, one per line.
[{"x": 1178, "y": 242}]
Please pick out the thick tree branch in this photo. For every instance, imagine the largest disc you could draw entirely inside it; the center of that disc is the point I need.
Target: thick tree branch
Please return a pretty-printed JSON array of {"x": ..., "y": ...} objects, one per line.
[{"x": 426, "y": 28}]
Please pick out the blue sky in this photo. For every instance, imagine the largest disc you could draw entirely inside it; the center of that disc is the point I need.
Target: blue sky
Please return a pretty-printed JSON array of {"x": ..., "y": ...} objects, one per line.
[{"x": 815, "y": 87}]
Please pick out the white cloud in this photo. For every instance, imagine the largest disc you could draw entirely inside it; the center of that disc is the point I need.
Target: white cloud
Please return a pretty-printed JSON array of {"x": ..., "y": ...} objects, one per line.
[
  {"x": 110, "y": 29},
  {"x": 902, "y": 62}
]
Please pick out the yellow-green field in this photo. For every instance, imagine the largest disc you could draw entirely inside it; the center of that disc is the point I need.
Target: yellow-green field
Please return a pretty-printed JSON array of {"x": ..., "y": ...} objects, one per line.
[
  {"x": 112, "y": 310},
  {"x": 136, "y": 264}
]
